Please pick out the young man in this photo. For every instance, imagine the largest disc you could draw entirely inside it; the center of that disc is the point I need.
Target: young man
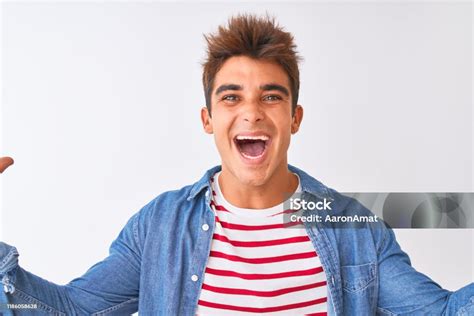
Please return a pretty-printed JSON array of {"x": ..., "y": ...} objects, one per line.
[{"x": 224, "y": 245}]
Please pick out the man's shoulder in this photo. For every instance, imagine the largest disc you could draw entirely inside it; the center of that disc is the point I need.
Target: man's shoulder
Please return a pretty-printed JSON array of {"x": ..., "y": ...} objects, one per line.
[
  {"x": 179, "y": 199},
  {"x": 164, "y": 213}
]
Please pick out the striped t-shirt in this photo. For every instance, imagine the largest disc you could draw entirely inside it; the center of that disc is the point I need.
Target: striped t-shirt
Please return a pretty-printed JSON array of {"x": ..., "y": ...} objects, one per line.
[{"x": 258, "y": 266}]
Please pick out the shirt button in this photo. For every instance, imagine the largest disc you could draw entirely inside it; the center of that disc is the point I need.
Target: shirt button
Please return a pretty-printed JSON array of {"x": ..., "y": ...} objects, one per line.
[
  {"x": 205, "y": 227},
  {"x": 194, "y": 278}
]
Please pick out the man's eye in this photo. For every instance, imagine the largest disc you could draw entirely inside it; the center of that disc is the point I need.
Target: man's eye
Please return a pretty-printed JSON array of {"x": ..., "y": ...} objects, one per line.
[
  {"x": 272, "y": 97},
  {"x": 230, "y": 97}
]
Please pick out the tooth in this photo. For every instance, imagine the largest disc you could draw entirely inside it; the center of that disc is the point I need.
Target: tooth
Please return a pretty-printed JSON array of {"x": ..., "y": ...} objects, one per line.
[
  {"x": 252, "y": 157},
  {"x": 263, "y": 137}
]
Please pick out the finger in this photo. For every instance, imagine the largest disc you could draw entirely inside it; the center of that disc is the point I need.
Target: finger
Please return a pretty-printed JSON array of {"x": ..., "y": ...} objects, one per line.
[{"x": 5, "y": 162}]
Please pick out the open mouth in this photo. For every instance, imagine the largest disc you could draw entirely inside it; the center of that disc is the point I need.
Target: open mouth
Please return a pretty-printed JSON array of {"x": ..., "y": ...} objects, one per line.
[{"x": 252, "y": 147}]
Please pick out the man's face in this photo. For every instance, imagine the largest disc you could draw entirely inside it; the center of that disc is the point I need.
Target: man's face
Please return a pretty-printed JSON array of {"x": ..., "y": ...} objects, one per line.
[{"x": 251, "y": 118}]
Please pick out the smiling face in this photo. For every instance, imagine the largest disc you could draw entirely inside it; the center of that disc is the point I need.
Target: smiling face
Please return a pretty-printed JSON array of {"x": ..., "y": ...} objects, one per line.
[{"x": 251, "y": 120}]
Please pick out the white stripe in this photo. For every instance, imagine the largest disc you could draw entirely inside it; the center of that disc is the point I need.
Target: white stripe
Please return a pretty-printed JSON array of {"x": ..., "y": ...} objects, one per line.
[
  {"x": 204, "y": 310},
  {"x": 229, "y": 216},
  {"x": 266, "y": 268},
  {"x": 207, "y": 311},
  {"x": 259, "y": 235},
  {"x": 263, "y": 302},
  {"x": 262, "y": 252},
  {"x": 261, "y": 285}
]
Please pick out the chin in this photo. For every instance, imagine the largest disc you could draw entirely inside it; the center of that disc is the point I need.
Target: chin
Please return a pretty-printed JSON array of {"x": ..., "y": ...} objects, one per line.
[{"x": 253, "y": 176}]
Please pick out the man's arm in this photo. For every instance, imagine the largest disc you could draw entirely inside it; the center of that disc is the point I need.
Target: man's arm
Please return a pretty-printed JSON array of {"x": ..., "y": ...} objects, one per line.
[
  {"x": 403, "y": 290},
  {"x": 110, "y": 286}
]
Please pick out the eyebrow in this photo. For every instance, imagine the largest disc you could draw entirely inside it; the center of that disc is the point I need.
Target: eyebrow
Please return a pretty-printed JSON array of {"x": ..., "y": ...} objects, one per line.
[
  {"x": 274, "y": 86},
  {"x": 225, "y": 87},
  {"x": 265, "y": 87}
]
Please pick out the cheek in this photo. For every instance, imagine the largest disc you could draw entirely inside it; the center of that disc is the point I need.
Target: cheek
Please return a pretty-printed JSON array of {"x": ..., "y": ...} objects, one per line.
[
  {"x": 284, "y": 126},
  {"x": 221, "y": 134},
  {"x": 286, "y": 140},
  {"x": 284, "y": 133}
]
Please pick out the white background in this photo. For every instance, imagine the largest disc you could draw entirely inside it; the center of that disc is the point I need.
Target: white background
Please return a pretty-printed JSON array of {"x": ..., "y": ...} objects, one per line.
[{"x": 100, "y": 109}]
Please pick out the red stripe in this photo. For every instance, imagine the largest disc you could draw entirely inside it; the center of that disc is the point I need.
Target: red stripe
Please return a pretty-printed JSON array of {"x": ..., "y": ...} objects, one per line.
[
  {"x": 257, "y": 276},
  {"x": 317, "y": 314},
  {"x": 219, "y": 207},
  {"x": 294, "y": 256},
  {"x": 224, "y": 290},
  {"x": 263, "y": 243},
  {"x": 262, "y": 309},
  {"x": 254, "y": 227},
  {"x": 288, "y": 211}
]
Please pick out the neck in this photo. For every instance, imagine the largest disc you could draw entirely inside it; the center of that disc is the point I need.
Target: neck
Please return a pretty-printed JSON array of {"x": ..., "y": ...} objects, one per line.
[{"x": 276, "y": 190}]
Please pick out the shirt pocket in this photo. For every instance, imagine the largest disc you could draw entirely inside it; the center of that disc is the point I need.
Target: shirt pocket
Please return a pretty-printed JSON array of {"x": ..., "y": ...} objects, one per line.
[
  {"x": 359, "y": 289},
  {"x": 357, "y": 278}
]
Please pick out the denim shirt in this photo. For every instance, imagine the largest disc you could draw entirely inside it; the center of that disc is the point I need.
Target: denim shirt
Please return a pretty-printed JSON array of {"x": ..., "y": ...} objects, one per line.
[{"x": 157, "y": 262}]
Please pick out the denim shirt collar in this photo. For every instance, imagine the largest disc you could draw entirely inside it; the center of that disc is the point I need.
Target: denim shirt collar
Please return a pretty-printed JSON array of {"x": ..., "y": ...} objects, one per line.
[{"x": 307, "y": 182}]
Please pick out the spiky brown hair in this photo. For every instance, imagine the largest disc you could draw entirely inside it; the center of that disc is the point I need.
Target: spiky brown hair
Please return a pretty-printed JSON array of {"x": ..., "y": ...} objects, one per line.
[{"x": 255, "y": 37}]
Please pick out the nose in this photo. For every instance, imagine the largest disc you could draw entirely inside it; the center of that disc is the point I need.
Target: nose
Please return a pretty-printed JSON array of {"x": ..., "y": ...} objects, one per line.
[{"x": 252, "y": 112}]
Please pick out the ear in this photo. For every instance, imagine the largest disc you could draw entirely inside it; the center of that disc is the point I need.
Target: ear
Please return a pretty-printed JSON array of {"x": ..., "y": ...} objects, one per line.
[
  {"x": 296, "y": 119},
  {"x": 206, "y": 120}
]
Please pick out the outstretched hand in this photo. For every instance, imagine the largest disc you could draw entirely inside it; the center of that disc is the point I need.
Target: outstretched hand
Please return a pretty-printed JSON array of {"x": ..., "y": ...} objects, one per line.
[{"x": 5, "y": 162}]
